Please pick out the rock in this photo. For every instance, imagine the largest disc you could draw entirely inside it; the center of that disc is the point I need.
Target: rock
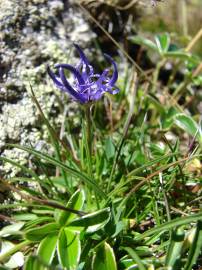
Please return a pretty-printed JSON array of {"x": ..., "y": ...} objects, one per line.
[{"x": 33, "y": 34}]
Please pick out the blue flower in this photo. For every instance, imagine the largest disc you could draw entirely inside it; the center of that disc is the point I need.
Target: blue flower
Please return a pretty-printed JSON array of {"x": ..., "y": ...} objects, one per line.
[{"x": 87, "y": 86}]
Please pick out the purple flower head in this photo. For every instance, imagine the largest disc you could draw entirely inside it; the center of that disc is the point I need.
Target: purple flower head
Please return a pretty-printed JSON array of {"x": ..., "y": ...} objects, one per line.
[{"x": 87, "y": 86}]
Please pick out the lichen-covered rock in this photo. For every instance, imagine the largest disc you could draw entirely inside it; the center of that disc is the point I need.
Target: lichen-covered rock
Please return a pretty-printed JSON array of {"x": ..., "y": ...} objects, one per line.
[{"x": 33, "y": 34}]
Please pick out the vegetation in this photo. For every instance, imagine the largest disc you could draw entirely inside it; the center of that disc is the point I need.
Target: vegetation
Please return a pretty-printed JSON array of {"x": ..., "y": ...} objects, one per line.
[{"x": 122, "y": 186}]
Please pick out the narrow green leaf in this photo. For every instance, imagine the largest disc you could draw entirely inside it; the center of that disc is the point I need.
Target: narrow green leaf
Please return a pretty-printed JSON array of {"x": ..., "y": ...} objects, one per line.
[
  {"x": 30, "y": 224},
  {"x": 53, "y": 135},
  {"x": 22, "y": 167},
  {"x": 135, "y": 257},
  {"x": 33, "y": 263},
  {"x": 173, "y": 258},
  {"x": 37, "y": 234},
  {"x": 69, "y": 249},
  {"x": 25, "y": 217},
  {"x": 187, "y": 123},
  {"x": 57, "y": 163},
  {"x": 158, "y": 106},
  {"x": 109, "y": 148},
  {"x": 104, "y": 258},
  {"x": 162, "y": 42},
  {"x": 11, "y": 229},
  {"x": 126, "y": 263},
  {"x": 150, "y": 163},
  {"x": 171, "y": 224},
  {"x": 47, "y": 247},
  {"x": 93, "y": 221},
  {"x": 196, "y": 247},
  {"x": 29, "y": 263},
  {"x": 76, "y": 202},
  {"x": 182, "y": 56},
  {"x": 144, "y": 42}
]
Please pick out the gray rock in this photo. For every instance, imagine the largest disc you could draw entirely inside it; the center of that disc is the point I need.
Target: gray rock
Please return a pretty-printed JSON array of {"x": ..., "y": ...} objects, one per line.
[{"x": 33, "y": 34}]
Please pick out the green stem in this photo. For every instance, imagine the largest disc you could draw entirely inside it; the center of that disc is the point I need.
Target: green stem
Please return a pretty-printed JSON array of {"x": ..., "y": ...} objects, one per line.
[
  {"x": 173, "y": 73},
  {"x": 156, "y": 74},
  {"x": 88, "y": 144},
  {"x": 182, "y": 87},
  {"x": 88, "y": 139},
  {"x": 14, "y": 249}
]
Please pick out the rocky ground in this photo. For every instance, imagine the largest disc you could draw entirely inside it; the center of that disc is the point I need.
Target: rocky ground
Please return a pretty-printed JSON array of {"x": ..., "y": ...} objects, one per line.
[{"x": 33, "y": 33}]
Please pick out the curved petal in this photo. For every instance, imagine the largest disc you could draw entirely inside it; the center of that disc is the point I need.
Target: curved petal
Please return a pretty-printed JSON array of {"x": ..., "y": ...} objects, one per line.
[
  {"x": 73, "y": 70},
  {"x": 81, "y": 54},
  {"x": 84, "y": 60},
  {"x": 115, "y": 73},
  {"x": 114, "y": 91},
  {"x": 79, "y": 97},
  {"x": 53, "y": 77},
  {"x": 97, "y": 85},
  {"x": 103, "y": 76}
]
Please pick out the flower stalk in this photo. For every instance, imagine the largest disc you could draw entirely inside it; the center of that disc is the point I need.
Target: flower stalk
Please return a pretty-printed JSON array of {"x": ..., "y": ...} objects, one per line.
[{"x": 88, "y": 138}]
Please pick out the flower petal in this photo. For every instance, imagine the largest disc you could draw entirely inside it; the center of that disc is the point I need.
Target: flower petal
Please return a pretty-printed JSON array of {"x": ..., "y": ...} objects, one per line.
[
  {"x": 115, "y": 73},
  {"x": 103, "y": 77},
  {"x": 84, "y": 60},
  {"x": 79, "y": 97},
  {"x": 114, "y": 91},
  {"x": 73, "y": 70},
  {"x": 53, "y": 77},
  {"x": 81, "y": 54}
]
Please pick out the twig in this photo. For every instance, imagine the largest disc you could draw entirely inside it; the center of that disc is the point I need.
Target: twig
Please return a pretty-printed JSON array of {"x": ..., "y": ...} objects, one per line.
[
  {"x": 42, "y": 201},
  {"x": 149, "y": 177},
  {"x": 194, "y": 41},
  {"x": 114, "y": 41},
  {"x": 3, "y": 217}
]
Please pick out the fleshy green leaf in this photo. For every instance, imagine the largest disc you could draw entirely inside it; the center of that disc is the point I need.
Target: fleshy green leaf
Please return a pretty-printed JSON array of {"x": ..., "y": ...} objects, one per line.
[
  {"x": 167, "y": 117},
  {"x": 144, "y": 42},
  {"x": 37, "y": 234},
  {"x": 93, "y": 221},
  {"x": 11, "y": 229},
  {"x": 25, "y": 217},
  {"x": 47, "y": 247},
  {"x": 76, "y": 202},
  {"x": 33, "y": 263},
  {"x": 174, "y": 251},
  {"x": 104, "y": 258},
  {"x": 69, "y": 249},
  {"x": 16, "y": 260},
  {"x": 162, "y": 42},
  {"x": 187, "y": 123}
]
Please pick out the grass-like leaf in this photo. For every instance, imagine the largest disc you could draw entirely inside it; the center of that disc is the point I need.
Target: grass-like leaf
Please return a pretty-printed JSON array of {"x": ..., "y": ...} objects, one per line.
[
  {"x": 56, "y": 162},
  {"x": 171, "y": 224}
]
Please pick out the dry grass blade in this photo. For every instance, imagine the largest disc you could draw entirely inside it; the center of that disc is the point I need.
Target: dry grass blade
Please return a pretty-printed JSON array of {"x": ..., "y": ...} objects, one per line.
[
  {"x": 114, "y": 41},
  {"x": 149, "y": 177}
]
